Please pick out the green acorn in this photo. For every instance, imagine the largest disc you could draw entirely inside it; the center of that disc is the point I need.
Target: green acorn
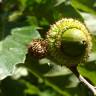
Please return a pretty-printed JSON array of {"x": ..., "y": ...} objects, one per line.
[{"x": 69, "y": 42}]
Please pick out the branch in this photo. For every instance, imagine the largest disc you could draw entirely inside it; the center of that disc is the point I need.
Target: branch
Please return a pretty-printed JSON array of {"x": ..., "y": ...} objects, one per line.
[
  {"x": 91, "y": 87},
  {"x": 82, "y": 79}
]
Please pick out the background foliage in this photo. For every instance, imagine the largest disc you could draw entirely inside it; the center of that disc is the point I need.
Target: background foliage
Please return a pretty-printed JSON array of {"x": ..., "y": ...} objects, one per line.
[{"x": 24, "y": 20}]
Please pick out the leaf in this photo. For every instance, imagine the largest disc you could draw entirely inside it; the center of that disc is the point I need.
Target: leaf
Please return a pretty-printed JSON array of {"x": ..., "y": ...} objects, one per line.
[
  {"x": 23, "y": 4},
  {"x": 90, "y": 21},
  {"x": 14, "y": 48},
  {"x": 54, "y": 69},
  {"x": 31, "y": 89},
  {"x": 88, "y": 70},
  {"x": 67, "y": 11},
  {"x": 85, "y": 5},
  {"x": 65, "y": 84},
  {"x": 58, "y": 2},
  {"x": 12, "y": 87}
]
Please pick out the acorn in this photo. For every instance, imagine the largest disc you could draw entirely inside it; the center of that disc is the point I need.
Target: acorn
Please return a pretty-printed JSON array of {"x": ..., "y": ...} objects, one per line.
[
  {"x": 38, "y": 48},
  {"x": 69, "y": 42}
]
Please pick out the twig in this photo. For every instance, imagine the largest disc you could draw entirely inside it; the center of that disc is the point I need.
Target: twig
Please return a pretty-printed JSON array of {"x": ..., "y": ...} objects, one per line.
[
  {"x": 82, "y": 79},
  {"x": 91, "y": 87}
]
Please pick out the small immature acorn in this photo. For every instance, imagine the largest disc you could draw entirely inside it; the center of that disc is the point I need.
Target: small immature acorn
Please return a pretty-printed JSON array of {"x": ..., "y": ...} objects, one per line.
[
  {"x": 69, "y": 42},
  {"x": 38, "y": 48}
]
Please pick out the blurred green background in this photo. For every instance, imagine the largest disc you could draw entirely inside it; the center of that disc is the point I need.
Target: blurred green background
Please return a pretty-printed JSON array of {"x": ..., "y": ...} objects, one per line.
[{"x": 24, "y": 20}]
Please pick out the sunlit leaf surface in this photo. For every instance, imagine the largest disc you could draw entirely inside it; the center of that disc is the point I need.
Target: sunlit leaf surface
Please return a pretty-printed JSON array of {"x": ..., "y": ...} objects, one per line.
[{"x": 13, "y": 49}]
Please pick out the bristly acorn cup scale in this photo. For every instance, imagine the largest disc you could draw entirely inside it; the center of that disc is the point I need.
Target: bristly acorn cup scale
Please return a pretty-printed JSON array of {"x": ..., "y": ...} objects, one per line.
[{"x": 67, "y": 42}]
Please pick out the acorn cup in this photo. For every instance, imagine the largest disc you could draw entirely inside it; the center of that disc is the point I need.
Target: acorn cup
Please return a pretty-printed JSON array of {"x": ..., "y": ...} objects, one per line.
[
  {"x": 38, "y": 48},
  {"x": 69, "y": 42}
]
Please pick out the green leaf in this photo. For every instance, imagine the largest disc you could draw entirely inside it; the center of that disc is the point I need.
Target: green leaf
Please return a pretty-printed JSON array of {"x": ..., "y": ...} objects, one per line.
[
  {"x": 54, "y": 69},
  {"x": 31, "y": 89},
  {"x": 23, "y": 4},
  {"x": 90, "y": 21},
  {"x": 13, "y": 49},
  {"x": 88, "y": 70},
  {"x": 58, "y": 2},
  {"x": 85, "y": 5},
  {"x": 12, "y": 87},
  {"x": 55, "y": 76},
  {"x": 67, "y": 11}
]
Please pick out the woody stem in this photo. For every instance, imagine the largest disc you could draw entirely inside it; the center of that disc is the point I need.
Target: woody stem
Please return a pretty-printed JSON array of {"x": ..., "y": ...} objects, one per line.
[{"x": 82, "y": 79}]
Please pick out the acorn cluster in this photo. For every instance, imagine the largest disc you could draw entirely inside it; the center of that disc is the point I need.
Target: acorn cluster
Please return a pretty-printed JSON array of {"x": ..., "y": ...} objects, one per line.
[{"x": 67, "y": 42}]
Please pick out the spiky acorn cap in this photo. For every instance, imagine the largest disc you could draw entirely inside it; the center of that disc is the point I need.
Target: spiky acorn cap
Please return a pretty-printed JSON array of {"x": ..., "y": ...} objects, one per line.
[
  {"x": 38, "y": 48},
  {"x": 69, "y": 42}
]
